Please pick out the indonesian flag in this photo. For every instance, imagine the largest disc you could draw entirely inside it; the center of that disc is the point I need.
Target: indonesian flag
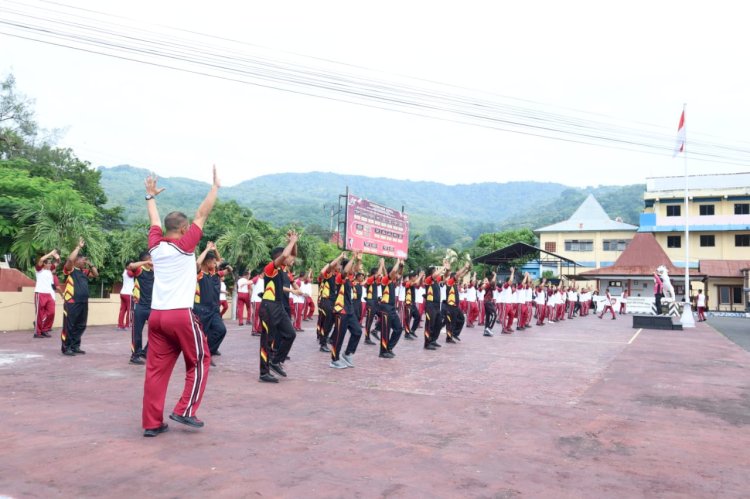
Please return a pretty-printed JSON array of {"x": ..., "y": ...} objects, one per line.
[{"x": 681, "y": 137}]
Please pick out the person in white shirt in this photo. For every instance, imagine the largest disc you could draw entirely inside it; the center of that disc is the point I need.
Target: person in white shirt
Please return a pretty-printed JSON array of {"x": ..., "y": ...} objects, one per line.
[
  {"x": 173, "y": 328},
  {"x": 44, "y": 294},
  {"x": 700, "y": 304},
  {"x": 126, "y": 299},
  {"x": 243, "y": 300},
  {"x": 256, "y": 300}
]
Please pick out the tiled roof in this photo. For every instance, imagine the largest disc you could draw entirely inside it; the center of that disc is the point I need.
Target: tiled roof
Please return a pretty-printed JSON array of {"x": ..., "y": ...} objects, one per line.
[
  {"x": 590, "y": 216},
  {"x": 723, "y": 268},
  {"x": 14, "y": 280},
  {"x": 641, "y": 258}
]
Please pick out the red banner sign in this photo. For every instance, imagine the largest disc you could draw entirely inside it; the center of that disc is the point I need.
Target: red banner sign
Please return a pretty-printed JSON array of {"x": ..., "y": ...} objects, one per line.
[{"x": 375, "y": 229}]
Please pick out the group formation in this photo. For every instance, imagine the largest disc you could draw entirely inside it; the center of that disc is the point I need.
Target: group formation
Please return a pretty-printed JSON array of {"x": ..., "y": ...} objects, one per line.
[{"x": 183, "y": 299}]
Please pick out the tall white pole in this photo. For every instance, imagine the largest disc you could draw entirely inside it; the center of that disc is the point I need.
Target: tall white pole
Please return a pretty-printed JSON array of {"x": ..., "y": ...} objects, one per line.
[{"x": 687, "y": 314}]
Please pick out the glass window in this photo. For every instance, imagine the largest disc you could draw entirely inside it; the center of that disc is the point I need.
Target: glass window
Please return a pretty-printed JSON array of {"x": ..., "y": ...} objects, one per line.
[
  {"x": 708, "y": 241},
  {"x": 673, "y": 210},
  {"x": 742, "y": 208},
  {"x": 742, "y": 240},
  {"x": 730, "y": 295},
  {"x": 576, "y": 245},
  {"x": 551, "y": 247},
  {"x": 706, "y": 209},
  {"x": 673, "y": 242}
]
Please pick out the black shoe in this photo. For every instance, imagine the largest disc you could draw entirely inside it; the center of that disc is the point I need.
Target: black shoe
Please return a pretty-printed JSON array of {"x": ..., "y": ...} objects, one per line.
[
  {"x": 216, "y": 353},
  {"x": 277, "y": 369},
  {"x": 436, "y": 344},
  {"x": 324, "y": 348},
  {"x": 450, "y": 340},
  {"x": 430, "y": 346},
  {"x": 137, "y": 360},
  {"x": 78, "y": 351},
  {"x": 375, "y": 334},
  {"x": 457, "y": 338},
  {"x": 68, "y": 352},
  {"x": 386, "y": 355},
  {"x": 212, "y": 363},
  {"x": 187, "y": 420},
  {"x": 268, "y": 378},
  {"x": 409, "y": 337},
  {"x": 153, "y": 432},
  {"x": 38, "y": 336},
  {"x": 368, "y": 341},
  {"x": 46, "y": 334},
  {"x": 255, "y": 334}
]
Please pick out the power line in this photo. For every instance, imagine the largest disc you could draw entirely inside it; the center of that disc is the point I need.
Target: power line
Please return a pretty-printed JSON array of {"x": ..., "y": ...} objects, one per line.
[{"x": 341, "y": 82}]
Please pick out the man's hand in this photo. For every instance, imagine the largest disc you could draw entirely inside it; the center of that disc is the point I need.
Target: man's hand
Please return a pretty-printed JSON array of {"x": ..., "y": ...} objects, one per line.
[
  {"x": 211, "y": 245},
  {"x": 292, "y": 236},
  {"x": 217, "y": 182},
  {"x": 151, "y": 187}
]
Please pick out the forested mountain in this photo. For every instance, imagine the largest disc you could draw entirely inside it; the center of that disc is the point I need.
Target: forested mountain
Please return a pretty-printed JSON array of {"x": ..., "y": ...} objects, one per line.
[{"x": 445, "y": 214}]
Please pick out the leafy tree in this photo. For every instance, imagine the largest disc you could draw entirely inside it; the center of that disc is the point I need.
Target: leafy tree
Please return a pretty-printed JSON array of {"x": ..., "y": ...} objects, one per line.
[{"x": 243, "y": 247}]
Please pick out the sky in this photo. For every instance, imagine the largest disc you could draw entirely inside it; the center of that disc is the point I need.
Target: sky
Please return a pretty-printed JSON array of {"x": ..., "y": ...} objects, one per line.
[{"x": 630, "y": 64}]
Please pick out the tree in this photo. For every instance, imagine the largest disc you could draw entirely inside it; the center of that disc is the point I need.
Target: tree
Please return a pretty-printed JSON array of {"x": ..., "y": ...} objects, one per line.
[
  {"x": 17, "y": 124},
  {"x": 243, "y": 247}
]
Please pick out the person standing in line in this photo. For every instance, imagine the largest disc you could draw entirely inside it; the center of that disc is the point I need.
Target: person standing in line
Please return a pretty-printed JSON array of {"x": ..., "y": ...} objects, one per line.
[
  {"x": 508, "y": 299},
  {"x": 306, "y": 289},
  {"x": 326, "y": 285},
  {"x": 371, "y": 299},
  {"x": 256, "y": 284},
  {"x": 143, "y": 289},
  {"x": 223, "y": 297},
  {"x": 276, "y": 324},
  {"x": 454, "y": 317},
  {"x": 472, "y": 308},
  {"x": 357, "y": 301},
  {"x": 490, "y": 313},
  {"x": 44, "y": 294},
  {"x": 207, "y": 297},
  {"x": 78, "y": 270},
  {"x": 173, "y": 328},
  {"x": 411, "y": 314},
  {"x": 608, "y": 306},
  {"x": 298, "y": 300},
  {"x": 433, "y": 318},
  {"x": 390, "y": 323},
  {"x": 344, "y": 315},
  {"x": 126, "y": 299},
  {"x": 243, "y": 299}
]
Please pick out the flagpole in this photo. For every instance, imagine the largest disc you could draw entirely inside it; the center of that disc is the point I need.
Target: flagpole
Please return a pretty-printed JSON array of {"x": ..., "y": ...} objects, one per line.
[{"x": 687, "y": 314}]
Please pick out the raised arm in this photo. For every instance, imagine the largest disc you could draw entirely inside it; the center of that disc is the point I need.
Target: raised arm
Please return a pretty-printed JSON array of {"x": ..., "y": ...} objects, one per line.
[
  {"x": 151, "y": 192},
  {"x": 93, "y": 271},
  {"x": 208, "y": 203},
  {"x": 512, "y": 274},
  {"x": 462, "y": 272},
  {"x": 199, "y": 261},
  {"x": 290, "y": 245},
  {"x": 51, "y": 254},
  {"x": 70, "y": 262},
  {"x": 396, "y": 270}
]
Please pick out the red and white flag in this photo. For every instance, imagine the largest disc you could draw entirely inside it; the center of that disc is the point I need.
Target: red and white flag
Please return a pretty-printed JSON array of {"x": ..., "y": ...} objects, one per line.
[{"x": 681, "y": 136}]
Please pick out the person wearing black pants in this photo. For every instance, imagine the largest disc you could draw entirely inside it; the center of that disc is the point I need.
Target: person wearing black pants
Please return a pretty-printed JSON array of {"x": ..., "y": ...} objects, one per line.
[
  {"x": 390, "y": 323},
  {"x": 371, "y": 300},
  {"x": 490, "y": 312},
  {"x": 207, "y": 298},
  {"x": 411, "y": 316},
  {"x": 275, "y": 321},
  {"x": 143, "y": 274},
  {"x": 433, "y": 318},
  {"x": 454, "y": 318},
  {"x": 326, "y": 286},
  {"x": 78, "y": 270},
  {"x": 345, "y": 317}
]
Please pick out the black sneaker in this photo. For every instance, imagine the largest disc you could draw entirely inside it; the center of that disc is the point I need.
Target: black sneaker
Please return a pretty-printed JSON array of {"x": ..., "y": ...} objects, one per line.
[
  {"x": 457, "y": 338},
  {"x": 68, "y": 352},
  {"x": 436, "y": 344},
  {"x": 155, "y": 431},
  {"x": 46, "y": 334},
  {"x": 216, "y": 353},
  {"x": 137, "y": 360},
  {"x": 386, "y": 355},
  {"x": 375, "y": 334},
  {"x": 449, "y": 340},
  {"x": 408, "y": 337},
  {"x": 187, "y": 420},
  {"x": 430, "y": 346},
  {"x": 78, "y": 351},
  {"x": 38, "y": 336},
  {"x": 368, "y": 341},
  {"x": 277, "y": 369},
  {"x": 324, "y": 348},
  {"x": 268, "y": 378}
]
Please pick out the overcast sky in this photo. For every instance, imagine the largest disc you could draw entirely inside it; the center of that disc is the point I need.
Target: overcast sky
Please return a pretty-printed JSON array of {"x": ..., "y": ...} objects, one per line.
[{"x": 635, "y": 62}]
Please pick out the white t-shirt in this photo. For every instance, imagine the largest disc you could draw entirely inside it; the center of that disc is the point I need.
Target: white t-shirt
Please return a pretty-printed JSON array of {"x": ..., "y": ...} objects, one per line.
[
  {"x": 506, "y": 295},
  {"x": 174, "y": 268},
  {"x": 419, "y": 293},
  {"x": 471, "y": 294},
  {"x": 128, "y": 283},
  {"x": 257, "y": 290},
  {"x": 242, "y": 285},
  {"x": 701, "y": 302},
  {"x": 223, "y": 292},
  {"x": 306, "y": 288},
  {"x": 443, "y": 292},
  {"x": 45, "y": 282}
]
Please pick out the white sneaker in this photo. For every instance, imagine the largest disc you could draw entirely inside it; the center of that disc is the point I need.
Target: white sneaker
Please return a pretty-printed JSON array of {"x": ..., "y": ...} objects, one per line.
[
  {"x": 348, "y": 360},
  {"x": 338, "y": 364}
]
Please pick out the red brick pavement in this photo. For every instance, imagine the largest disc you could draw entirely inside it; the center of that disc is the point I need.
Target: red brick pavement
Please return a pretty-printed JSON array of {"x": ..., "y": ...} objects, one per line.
[{"x": 565, "y": 410}]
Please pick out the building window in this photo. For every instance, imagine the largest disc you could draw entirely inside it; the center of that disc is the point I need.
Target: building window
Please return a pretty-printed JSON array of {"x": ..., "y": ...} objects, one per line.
[
  {"x": 615, "y": 284},
  {"x": 730, "y": 295},
  {"x": 742, "y": 239},
  {"x": 708, "y": 241},
  {"x": 706, "y": 210},
  {"x": 615, "y": 244},
  {"x": 673, "y": 242},
  {"x": 551, "y": 247},
  {"x": 673, "y": 210},
  {"x": 576, "y": 245},
  {"x": 742, "y": 208}
]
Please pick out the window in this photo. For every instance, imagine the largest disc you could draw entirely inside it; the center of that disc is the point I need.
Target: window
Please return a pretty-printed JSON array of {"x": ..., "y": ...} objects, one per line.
[
  {"x": 706, "y": 210},
  {"x": 730, "y": 295},
  {"x": 673, "y": 242},
  {"x": 615, "y": 284},
  {"x": 576, "y": 245},
  {"x": 742, "y": 208},
  {"x": 673, "y": 210},
  {"x": 742, "y": 240},
  {"x": 615, "y": 244},
  {"x": 551, "y": 247},
  {"x": 708, "y": 241}
]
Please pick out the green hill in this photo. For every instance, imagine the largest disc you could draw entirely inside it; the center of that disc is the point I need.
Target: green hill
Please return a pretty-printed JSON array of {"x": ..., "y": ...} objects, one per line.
[{"x": 439, "y": 211}]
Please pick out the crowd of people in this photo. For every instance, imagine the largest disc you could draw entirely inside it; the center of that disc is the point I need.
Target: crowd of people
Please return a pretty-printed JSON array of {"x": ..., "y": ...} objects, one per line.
[{"x": 183, "y": 299}]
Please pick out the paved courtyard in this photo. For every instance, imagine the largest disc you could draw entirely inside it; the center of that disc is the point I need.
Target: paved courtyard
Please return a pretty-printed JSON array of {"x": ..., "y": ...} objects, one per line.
[{"x": 581, "y": 408}]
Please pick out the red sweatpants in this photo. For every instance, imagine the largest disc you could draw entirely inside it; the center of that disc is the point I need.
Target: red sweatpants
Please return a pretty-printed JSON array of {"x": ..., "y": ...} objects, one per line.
[
  {"x": 481, "y": 312},
  {"x": 510, "y": 314},
  {"x": 472, "y": 314},
  {"x": 309, "y": 308},
  {"x": 45, "y": 312},
  {"x": 123, "y": 320},
  {"x": 298, "y": 312},
  {"x": 243, "y": 304},
  {"x": 171, "y": 332},
  {"x": 540, "y": 310},
  {"x": 256, "y": 317},
  {"x": 224, "y": 307}
]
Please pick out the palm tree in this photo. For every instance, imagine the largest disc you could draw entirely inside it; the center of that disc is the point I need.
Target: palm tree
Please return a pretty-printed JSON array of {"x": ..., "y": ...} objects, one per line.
[{"x": 243, "y": 246}]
